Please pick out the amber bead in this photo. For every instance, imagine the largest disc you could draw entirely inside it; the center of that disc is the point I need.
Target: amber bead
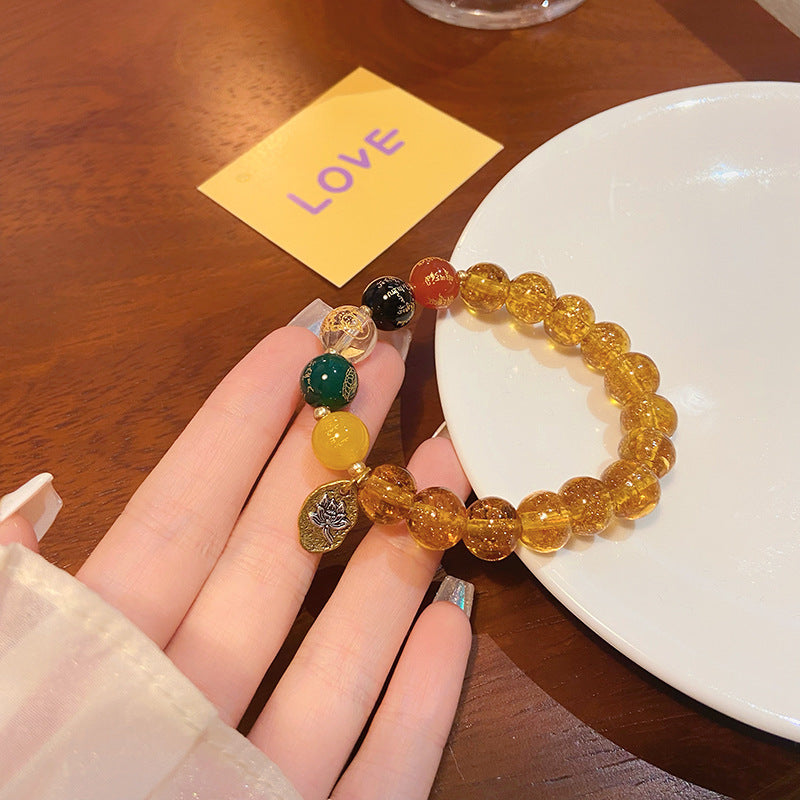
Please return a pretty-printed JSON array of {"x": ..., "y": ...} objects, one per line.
[
  {"x": 387, "y": 493},
  {"x": 634, "y": 488},
  {"x": 650, "y": 411},
  {"x": 492, "y": 528},
  {"x": 544, "y": 522},
  {"x": 340, "y": 439},
  {"x": 569, "y": 320},
  {"x": 435, "y": 282},
  {"x": 604, "y": 342},
  {"x": 651, "y": 447},
  {"x": 589, "y": 504},
  {"x": 530, "y": 297},
  {"x": 350, "y": 332},
  {"x": 631, "y": 375},
  {"x": 436, "y": 519},
  {"x": 484, "y": 287}
]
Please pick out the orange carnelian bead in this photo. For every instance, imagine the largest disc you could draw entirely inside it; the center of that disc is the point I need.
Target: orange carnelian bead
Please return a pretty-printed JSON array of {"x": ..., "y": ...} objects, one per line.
[
  {"x": 386, "y": 494},
  {"x": 436, "y": 519},
  {"x": 492, "y": 529},
  {"x": 630, "y": 375},
  {"x": 604, "y": 342},
  {"x": 544, "y": 522},
  {"x": 651, "y": 447},
  {"x": 484, "y": 287},
  {"x": 435, "y": 282},
  {"x": 530, "y": 297},
  {"x": 634, "y": 488},
  {"x": 340, "y": 439},
  {"x": 650, "y": 411},
  {"x": 569, "y": 320},
  {"x": 589, "y": 504}
]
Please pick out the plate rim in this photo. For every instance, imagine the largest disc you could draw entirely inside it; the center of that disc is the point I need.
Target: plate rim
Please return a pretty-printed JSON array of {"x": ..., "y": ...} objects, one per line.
[{"x": 733, "y": 706}]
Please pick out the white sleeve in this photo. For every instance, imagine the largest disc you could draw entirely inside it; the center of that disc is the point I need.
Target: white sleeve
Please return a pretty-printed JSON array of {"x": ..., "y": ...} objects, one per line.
[{"x": 91, "y": 708}]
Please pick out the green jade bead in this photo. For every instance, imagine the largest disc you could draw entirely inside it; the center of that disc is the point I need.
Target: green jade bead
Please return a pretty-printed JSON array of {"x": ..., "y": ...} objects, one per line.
[{"x": 329, "y": 380}]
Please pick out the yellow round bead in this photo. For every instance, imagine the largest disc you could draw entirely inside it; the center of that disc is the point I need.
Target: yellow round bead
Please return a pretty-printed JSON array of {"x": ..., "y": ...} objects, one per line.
[
  {"x": 651, "y": 447},
  {"x": 484, "y": 287},
  {"x": 634, "y": 488},
  {"x": 492, "y": 529},
  {"x": 436, "y": 519},
  {"x": 350, "y": 332},
  {"x": 631, "y": 375},
  {"x": 589, "y": 504},
  {"x": 340, "y": 439},
  {"x": 570, "y": 319},
  {"x": 387, "y": 493},
  {"x": 544, "y": 522},
  {"x": 530, "y": 297},
  {"x": 604, "y": 342},
  {"x": 650, "y": 411}
]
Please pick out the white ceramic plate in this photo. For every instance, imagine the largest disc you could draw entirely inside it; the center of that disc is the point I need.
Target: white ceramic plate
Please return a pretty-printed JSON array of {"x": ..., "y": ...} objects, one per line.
[{"x": 677, "y": 216}]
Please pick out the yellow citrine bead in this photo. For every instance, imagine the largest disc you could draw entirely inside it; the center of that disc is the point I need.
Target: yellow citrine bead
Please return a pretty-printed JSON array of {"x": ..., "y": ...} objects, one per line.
[
  {"x": 651, "y": 447},
  {"x": 570, "y": 319},
  {"x": 530, "y": 297},
  {"x": 604, "y": 342},
  {"x": 436, "y": 519},
  {"x": 631, "y": 375},
  {"x": 492, "y": 528},
  {"x": 340, "y": 439},
  {"x": 387, "y": 493},
  {"x": 589, "y": 503},
  {"x": 484, "y": 287},
  {"x": 634, "y": 488},
  {"x": 544, "y": 522},
  {"x": 650, "y": 411}
]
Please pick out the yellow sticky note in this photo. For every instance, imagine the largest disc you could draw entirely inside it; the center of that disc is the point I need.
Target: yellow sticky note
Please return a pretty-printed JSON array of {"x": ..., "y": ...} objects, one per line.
[{"x": 350, "y": 174}]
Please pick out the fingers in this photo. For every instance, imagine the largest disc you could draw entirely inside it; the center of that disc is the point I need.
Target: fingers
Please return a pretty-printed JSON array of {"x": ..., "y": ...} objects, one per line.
[
  {"x": 17, "y": 529},
  {"x": 249, "y": 602},
  {"x": 156, "y": 556},
  {"x": 324, "y": 699},
  {"x": 400, "y": 755}
]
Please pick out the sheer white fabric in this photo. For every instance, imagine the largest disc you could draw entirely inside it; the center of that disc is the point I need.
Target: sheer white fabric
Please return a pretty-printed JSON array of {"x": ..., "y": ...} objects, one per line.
[{"x": 90, "y": 708}]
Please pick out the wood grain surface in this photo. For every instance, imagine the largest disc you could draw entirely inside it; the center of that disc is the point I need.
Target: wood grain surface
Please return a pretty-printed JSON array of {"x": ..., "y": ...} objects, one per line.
[{"x": 125, "y": 295}]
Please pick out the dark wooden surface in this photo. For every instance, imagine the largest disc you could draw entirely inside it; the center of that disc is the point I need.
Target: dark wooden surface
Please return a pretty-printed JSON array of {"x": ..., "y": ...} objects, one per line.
[{"x": 125, "y": 295}]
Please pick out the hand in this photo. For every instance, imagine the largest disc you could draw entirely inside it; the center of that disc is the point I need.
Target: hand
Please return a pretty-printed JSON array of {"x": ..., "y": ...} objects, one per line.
[{"x": 217, "y": 579}]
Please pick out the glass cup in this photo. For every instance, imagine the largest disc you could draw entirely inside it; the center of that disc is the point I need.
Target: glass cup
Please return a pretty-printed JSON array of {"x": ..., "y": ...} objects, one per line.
[{"x": 496, "y": 14}]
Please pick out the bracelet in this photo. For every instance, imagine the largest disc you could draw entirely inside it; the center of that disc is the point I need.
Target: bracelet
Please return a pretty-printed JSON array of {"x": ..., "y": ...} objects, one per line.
[{"x": 435, "y": 517}]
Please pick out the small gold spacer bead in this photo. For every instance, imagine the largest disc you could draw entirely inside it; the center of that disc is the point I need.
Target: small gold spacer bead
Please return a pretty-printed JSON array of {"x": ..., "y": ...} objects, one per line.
[
  {"x": 320, "y": 412},
  {"x": 358, "y": 473},
  {"x": 358, "y": 470},
  {"x": 462, "y": 275},
  {"x": 367, "y": 310}
]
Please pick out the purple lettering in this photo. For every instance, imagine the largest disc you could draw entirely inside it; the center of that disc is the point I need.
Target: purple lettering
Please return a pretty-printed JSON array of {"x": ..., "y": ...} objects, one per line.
[
  {"x": 361, "y": 161},
  {"x": 322, "y": 179},
  {"x": 307, "y": 206},
  {"x": 382, "y": 144}
]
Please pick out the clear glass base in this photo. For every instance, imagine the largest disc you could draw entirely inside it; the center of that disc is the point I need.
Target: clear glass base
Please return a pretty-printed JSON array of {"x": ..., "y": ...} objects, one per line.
[{"x": 495, "y": 14}]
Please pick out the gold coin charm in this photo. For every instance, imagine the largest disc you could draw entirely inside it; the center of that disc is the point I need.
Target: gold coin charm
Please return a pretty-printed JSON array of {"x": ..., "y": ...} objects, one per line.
[{"x": 327, "y": 516}]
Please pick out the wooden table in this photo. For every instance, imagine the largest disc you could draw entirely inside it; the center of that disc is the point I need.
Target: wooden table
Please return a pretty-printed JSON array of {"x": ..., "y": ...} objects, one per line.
[{"x": 126, "y": 295}]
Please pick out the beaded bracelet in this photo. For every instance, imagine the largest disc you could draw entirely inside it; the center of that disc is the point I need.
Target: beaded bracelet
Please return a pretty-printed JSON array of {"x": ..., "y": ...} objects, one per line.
[{"x": 436, "y": 518}]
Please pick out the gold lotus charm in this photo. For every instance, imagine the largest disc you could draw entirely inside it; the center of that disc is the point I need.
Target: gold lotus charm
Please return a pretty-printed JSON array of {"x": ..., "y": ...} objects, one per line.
[{"x": 327, "y": 516}]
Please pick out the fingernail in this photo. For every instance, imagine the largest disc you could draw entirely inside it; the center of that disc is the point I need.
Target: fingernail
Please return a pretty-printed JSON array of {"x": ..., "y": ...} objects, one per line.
[
  {"x": 441, "y": 432},
  {"x": 312, "y": 315},
  {"x": 36, "y": 501},
  {"x": 459, "y": 593}
]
